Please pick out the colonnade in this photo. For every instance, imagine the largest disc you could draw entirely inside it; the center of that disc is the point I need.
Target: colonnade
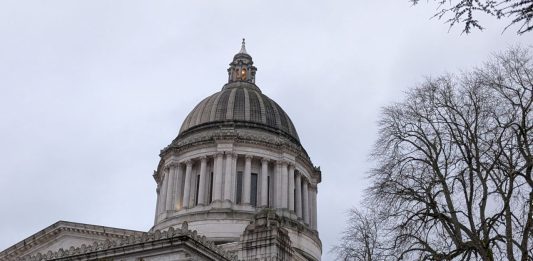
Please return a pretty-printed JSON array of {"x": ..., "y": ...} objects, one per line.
[{"x": 230, "y": 177}]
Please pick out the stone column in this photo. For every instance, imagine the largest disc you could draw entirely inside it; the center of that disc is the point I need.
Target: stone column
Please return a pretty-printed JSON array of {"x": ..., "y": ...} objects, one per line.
[
  {"x": 157, "y": 205},
  {"x": 187, "y": 188},
  {"x": 264, "y": 183},
  {"x": 201, "y": 185},
  {"x": 291, "y": 187},
  {"x": 313, "y": 208},
  {"x": 284, "y": 185},
  {"x": 305, "y": 203},
  {"x": 299, "y": 195},
  {"x": 170, "y": 187},
  {"x": 217, "y": 177},
  {"x": 179, "y": 186},
  {"x": 247, "y": 180},
  {"x": 310, "y": 211},
  {"x": 234, "y": 188},
  {"x": 228, "y": 181},
  {"x": 277, "y": 187},
  {"x": 163, "y": 195}
]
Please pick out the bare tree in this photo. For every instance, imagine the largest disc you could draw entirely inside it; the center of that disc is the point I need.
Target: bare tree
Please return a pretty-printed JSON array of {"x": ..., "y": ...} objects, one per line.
[
  {"x": 467, "y": 11},
  {"x": 454, "y": 166},
  {"x": 363, "y": 238}
]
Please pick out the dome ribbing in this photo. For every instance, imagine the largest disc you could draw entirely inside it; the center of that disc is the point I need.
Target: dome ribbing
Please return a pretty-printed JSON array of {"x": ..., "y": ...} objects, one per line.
[{"x": 240, "y": 103}]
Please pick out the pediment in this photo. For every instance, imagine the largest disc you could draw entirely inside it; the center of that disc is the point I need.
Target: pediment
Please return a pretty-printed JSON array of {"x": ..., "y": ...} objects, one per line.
[{"x": 64, "y": 234}]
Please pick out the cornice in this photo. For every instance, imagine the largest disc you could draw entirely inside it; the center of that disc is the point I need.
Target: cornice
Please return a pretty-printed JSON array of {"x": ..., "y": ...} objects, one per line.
[{"x": 210, "y": 138}]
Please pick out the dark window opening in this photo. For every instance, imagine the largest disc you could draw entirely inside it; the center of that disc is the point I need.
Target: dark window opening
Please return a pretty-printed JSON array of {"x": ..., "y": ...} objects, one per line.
[
  {"x": 253, "y": 190},
  {"x": 197, "y": 189},
  {"x": 210, "y": 189},
  {"x": 268, "y": 192},
  {"x": 239, "y": 187}
]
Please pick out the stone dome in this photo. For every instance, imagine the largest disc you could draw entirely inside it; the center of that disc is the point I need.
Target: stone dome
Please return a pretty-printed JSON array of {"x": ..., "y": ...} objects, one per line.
[{"x": 240, "y": 104}]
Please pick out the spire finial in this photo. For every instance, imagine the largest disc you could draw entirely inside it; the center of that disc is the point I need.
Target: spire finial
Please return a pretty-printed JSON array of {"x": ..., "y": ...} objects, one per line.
[{"x": 243, "y": 47}]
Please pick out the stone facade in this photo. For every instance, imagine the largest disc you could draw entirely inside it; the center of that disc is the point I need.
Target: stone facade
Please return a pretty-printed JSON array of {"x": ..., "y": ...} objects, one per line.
[{"x": 236, "y": 174}]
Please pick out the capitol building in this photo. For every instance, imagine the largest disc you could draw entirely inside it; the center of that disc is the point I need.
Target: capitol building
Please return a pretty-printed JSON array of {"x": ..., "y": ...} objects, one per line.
[{"x": 235, "y": 184}]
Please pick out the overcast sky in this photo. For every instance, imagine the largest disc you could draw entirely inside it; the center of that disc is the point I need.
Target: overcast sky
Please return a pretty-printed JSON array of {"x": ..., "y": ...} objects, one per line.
[{"x": 91, "y": 91}]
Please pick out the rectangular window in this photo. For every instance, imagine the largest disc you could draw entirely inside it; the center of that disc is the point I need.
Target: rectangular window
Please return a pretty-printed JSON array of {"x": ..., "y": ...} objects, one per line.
[
  {"x": 197, "y": 189},
  {"x": 238, "y": 193},
  {"x": 294, "y": 192},
  {"x": 253, "y": 190},
  {"x": 209, "y": 199},
  {"x": 268, "y": 192}
]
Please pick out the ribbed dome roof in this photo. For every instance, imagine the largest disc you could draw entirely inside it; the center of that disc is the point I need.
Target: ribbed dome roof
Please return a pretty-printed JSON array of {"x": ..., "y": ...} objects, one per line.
[{"x": 240, "y": 103}]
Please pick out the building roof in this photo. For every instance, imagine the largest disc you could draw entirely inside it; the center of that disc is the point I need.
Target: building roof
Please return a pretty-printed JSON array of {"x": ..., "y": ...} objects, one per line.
[{"x": 240, "y": 103}]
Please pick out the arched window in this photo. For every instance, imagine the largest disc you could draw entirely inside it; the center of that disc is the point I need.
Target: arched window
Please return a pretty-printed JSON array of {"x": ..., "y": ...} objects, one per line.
[{"x": 243, "y": 74}]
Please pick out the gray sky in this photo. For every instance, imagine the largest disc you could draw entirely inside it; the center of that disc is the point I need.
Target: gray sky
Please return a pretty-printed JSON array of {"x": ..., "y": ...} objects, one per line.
[{"x": 91, "y": 91}]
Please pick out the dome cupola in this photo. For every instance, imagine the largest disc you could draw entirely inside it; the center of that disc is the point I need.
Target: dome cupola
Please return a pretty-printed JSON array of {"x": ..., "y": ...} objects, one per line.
[{"x": 242, "y": 67}]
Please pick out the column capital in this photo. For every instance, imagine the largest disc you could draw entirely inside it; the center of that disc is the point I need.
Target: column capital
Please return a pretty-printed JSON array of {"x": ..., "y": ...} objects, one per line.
[
  {"x": 188, "y": 162},
  {"x": 248, "y": 156},
  {"x": 218, "y": 154},
  {"x": 204, "y": 157},
  {"x": 231, "y": 154},
  {"x": 173, "y": 164},
  {"x": 282, "y": 162},
  {"x": 292, "y": 165},
  {"x": 265, "y": 160}
]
